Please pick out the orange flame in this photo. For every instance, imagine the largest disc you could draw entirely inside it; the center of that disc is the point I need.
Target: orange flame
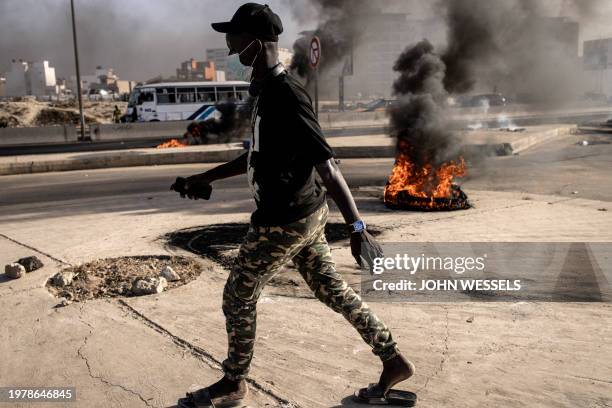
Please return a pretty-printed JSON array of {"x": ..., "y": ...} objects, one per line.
[
  {"x": 172, "y": 143},
  {"x": 424, "y": 182}
]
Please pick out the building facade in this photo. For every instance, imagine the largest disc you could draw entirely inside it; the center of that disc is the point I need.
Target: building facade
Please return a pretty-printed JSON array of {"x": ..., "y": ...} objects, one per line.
[
  {"x": 565, "y": 35},
  {"x": 373, "y": 56},
  {"x": 42, "y": 79},
  {"x": 103, "y": 79},
  {"x": 597, "y": 64},
  {"x": 229, "y": 64},
  {"x": 234, "y": 70},
  {"x": 193, "y": 70},
  {"x": 16, "y": 79},
  {"x": 597, "y": 54},
  {"x": 31, "y": 78},
  {"x": 219, "y": 57}
]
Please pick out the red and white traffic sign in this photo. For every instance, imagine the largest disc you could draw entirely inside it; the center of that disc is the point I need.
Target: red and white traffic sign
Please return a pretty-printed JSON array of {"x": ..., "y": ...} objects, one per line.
[{"x": 315, "y": 52}]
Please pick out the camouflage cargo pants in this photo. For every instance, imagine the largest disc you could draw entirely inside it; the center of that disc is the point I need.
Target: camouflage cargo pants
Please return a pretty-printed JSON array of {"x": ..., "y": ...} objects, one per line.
[{"x": 262, "y": 253}]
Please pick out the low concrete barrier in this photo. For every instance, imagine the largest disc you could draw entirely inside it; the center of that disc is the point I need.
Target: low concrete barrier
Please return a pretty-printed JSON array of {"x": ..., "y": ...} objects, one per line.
[
  {"x": 176, "y": 129},
  {"x": 332, "y": 120},
  {"x": 139, "y": 130},
  {"x": 531, "y": 140},
  {"x": 37, "y": 135},
  {"x": 361, "y": 147}
]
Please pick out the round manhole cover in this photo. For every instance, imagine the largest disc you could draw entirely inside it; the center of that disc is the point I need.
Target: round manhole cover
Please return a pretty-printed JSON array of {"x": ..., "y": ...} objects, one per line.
[{"x": 220, "y": 243}]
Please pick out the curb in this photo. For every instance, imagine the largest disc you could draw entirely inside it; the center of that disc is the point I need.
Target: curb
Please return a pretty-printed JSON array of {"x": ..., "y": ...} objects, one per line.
[
  {"x": 114, "y": 159},
  {"x": 547, "y": 136}
]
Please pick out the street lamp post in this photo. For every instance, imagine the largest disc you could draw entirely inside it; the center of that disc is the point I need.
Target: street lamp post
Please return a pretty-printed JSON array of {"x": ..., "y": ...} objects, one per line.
[{"x": 78, "y": 73}]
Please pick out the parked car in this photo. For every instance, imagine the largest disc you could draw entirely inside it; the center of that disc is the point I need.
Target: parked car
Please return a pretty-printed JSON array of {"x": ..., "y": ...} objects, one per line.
[
  {"x": 595, "y": 97},
  {"x": 475, "y": 101},
  {"x": 377, "y": 105}
]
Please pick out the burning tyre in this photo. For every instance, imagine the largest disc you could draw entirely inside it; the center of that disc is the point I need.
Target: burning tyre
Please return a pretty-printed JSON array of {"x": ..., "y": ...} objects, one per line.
[
  {"x": 427, "y": 159},
  {"x": 425, "y": 187},
  {"x": 402, "y": 200}
]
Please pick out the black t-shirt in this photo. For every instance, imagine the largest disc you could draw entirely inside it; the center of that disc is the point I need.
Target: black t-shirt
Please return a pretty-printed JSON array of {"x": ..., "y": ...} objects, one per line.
[{"x": 286, "y": 144}]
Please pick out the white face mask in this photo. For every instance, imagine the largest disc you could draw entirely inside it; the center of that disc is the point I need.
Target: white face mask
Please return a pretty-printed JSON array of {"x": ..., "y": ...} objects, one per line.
[{"x": 256, "y": 55}]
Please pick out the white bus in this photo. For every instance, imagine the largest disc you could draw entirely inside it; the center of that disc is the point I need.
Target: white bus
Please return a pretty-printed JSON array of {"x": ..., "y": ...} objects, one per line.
[{"x": 180, "y": 100}]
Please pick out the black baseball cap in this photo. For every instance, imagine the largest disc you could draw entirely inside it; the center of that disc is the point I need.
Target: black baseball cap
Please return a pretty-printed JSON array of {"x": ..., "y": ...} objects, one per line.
[{"x": 256, "y": 19}]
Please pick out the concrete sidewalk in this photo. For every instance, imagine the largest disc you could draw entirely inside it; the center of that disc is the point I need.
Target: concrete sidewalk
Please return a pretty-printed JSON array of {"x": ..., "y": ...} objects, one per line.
[
  {"x": 148, "y": 351},
  {"x": 486, "y": 141}
]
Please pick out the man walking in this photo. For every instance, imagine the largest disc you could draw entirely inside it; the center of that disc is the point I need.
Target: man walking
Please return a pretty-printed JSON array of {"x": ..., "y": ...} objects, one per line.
[{"x": 287, "y": 146}]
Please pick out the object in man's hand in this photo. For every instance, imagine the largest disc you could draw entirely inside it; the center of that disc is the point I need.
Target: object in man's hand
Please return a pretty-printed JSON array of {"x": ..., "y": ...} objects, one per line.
[
  {"x": 192, "y": 190},
  {"x": 369, "y": 252},
  {"x": 180, "y": 186},
  {"x": 199, "y": 191},
  {"x": 365, "y": 249}
]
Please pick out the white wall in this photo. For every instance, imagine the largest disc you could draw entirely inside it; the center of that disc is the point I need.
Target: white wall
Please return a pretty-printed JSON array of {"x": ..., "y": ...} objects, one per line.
[{"x": 42, "y": 79}]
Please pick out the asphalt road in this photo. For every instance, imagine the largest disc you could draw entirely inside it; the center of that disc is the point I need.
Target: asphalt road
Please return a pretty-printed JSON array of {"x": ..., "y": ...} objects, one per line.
[{"x": 562, "y": 168}]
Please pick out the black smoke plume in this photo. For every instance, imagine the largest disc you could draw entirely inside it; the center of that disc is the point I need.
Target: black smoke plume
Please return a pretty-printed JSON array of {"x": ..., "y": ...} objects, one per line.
[
  {"x": 418, "y": 118},
  {"x": 340, "y": 23},
  {"x": 515, "y": 47},
  {"x": 469, "y": 43},
  {"x": 501, "y": 44}
]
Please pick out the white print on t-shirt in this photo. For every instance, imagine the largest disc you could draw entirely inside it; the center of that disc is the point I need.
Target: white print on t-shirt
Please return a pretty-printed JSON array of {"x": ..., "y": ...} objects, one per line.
[
  {"x": 256, "y": 134},
  {"x": 253, "y": 147}
]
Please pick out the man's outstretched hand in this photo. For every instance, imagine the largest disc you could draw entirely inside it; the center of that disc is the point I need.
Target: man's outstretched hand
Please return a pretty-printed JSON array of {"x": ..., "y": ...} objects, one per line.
[
  {"x": 365, "y": 248},
  {"x": 192, "y": 187}
]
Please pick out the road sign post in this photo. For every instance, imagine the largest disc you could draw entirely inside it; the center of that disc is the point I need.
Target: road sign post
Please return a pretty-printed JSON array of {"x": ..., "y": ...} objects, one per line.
[
  {"x": 316, "y": 92},
  {"x": 315, "y": 58}
]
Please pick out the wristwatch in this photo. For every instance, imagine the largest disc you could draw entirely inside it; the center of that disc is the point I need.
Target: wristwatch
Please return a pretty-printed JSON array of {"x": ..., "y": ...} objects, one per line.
[{"x": 357, "y": 227}]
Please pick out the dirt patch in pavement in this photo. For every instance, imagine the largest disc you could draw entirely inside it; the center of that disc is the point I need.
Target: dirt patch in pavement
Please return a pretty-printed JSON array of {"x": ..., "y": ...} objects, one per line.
[
  {"x": 220, "y": 242},
  {"x": 114, "y": 277}
]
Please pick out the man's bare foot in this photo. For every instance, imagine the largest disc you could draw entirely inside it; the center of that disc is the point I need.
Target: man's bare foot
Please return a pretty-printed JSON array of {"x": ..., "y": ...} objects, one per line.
[
  {"x": 395, "y": 370},
  {"x": 225, "y": 387}
]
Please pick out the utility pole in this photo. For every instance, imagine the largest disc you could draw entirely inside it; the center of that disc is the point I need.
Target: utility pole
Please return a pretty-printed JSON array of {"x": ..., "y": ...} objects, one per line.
[
  {"x": 347, "y": 69},
  {"x": 78, "y": 73},
  {"x": 316, "y": 91}
]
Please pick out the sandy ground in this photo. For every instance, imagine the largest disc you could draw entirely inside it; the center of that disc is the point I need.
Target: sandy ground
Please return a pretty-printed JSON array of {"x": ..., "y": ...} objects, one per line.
[
  {"x": 148, "y": 351},
  {"x": 29, "y": 112}
]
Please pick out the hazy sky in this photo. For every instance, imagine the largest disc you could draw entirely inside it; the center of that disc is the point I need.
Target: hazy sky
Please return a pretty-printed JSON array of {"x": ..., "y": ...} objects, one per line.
[
  {"x": 139, "y": 38},
  {"x": 145, "y": 38}
]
